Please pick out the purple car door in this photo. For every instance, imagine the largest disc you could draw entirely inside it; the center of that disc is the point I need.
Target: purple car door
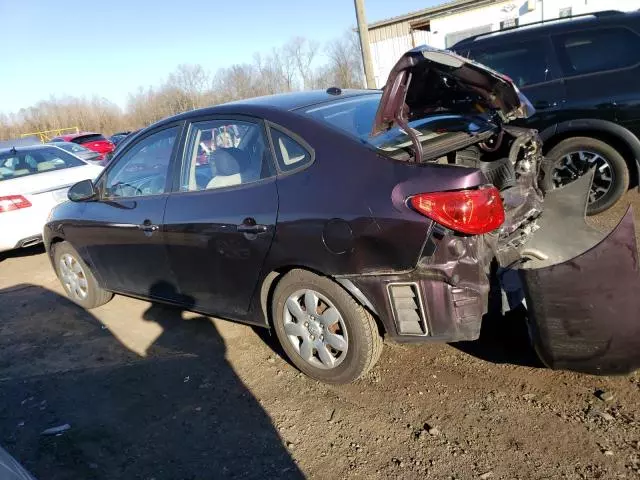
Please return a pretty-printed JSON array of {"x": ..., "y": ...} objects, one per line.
[{"x": 220, "y": 224}]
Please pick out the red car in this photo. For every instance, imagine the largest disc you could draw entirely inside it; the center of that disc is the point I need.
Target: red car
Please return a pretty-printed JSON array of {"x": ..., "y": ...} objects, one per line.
[{"x": 90, "y": 140}]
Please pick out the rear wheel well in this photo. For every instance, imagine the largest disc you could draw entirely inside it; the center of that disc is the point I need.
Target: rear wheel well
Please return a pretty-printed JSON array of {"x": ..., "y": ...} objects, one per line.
[
  {"x": 271, "y": 281},
  {"x": 612, "y": 139}
]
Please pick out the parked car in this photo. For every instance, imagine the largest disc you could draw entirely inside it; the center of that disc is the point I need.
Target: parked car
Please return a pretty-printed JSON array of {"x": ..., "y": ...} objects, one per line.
[
  {"x": 581, "y": 74},
  {"x": 92, "y": 141},
  {"x": 33, "y": 180},
  {"x": 337, "y": 217},
  {"x": 116, "y": 138},
  {"x": 81, "y": 152}
]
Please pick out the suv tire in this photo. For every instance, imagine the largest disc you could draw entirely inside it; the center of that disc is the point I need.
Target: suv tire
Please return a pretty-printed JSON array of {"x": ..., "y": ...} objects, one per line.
[{"x": 618, "y": 168}]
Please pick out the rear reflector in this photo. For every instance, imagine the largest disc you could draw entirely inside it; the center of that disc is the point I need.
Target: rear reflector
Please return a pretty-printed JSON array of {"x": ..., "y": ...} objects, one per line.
[
  {"x": 13, "y": 202},
  {"x": 467, "y": 211}
]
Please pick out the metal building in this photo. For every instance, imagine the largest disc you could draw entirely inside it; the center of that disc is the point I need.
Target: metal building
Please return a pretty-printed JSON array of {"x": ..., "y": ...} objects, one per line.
[{"x": 444, "y": 25}]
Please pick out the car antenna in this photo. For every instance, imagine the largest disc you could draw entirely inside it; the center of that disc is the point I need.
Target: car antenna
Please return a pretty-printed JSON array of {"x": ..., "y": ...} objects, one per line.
[
  {"x": 334, "y": 91},
  {"x": 13, "y": 150}
]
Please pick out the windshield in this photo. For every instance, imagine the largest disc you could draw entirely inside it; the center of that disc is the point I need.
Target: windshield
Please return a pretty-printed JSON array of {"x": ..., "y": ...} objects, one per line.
[
  {"x": 22, "y": 163},
  {"x": 355, "y": 117}
]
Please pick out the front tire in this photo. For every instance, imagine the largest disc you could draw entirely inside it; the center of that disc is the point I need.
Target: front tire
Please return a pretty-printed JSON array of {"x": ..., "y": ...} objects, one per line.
[
  {"x": 76, "y": 277},
  {"x": 323, "y": 330},
  {"x": 575, "y": 156}
]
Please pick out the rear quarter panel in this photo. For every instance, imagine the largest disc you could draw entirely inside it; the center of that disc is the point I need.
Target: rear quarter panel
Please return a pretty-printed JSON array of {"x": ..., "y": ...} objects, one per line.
[{"x": 345, "y": 214}]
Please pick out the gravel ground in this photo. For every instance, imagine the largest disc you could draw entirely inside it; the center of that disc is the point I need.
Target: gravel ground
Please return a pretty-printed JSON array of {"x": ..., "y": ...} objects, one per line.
[{"x": 150, "y": 392}]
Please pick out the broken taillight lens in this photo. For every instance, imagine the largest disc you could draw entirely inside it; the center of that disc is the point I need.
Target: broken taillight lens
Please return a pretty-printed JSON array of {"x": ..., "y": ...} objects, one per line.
[
  {"x": 473, "y": 212},
  {"x": 13, "y": 202}
]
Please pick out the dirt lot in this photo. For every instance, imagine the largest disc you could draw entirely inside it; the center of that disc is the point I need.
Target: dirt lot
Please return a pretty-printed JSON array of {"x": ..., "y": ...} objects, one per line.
[{"x": 151, "y": 392}]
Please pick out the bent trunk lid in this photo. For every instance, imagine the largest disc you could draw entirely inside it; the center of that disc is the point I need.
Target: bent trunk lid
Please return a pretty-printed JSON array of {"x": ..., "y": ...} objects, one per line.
[{"x": 426, "y": 79}]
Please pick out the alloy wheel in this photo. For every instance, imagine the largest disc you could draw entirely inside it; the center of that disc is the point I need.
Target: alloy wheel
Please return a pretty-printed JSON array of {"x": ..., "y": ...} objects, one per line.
[
  {"x": 73, "y": 277},
  {"x": 575, "y": 164},
  {"x": 316, "y": 329}
]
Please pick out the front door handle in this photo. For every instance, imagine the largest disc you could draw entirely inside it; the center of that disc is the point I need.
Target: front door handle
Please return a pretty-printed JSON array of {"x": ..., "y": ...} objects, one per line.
[
  {"x": 544, "y": 104},
  {"x": 148, "y": 227}
]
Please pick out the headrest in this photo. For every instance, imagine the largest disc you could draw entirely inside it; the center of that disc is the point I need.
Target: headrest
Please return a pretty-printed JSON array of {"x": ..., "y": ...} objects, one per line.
[
  {"x": 225, "y": 163},
  {"x": 44, "y": 166}
]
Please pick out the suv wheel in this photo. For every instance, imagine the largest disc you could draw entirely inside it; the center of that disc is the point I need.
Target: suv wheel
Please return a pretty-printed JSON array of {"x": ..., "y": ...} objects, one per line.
[
  {"x": 574, "y": 157},
  {"x": 322, "y": 329},
  {"x": 76, "y": 277}
]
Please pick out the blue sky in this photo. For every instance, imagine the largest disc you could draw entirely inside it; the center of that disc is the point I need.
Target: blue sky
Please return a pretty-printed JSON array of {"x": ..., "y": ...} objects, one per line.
[{"x": 81, "y": 48}]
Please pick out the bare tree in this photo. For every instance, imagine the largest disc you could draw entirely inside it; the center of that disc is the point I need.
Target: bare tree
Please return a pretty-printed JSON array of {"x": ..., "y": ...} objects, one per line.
[
  {"x": 302, "y": 52},
  {"x": 345, "y": 63}
]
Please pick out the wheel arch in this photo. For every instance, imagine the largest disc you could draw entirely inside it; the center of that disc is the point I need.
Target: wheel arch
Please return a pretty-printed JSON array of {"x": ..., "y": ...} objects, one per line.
[
  {"x": 271, "y": 280},
  {"x": 619, "y": 137}
]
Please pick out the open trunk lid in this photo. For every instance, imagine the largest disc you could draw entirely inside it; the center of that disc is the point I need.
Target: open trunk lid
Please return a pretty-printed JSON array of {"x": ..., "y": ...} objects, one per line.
[{"x": 427, "y": 79}]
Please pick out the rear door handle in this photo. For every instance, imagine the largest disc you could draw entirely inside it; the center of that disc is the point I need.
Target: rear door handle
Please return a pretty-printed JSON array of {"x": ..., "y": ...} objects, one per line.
[{"x": 245, "y": 228}]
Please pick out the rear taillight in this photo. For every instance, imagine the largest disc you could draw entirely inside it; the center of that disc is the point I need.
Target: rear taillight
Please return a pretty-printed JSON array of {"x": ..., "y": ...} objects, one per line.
[
  {"x": 467, "y": 211},
  {"x": 13, "y": 202}
]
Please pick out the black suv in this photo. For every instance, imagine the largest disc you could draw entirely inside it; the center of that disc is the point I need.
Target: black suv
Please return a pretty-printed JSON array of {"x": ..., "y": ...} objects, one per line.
[{"x": 582, "y": 75}]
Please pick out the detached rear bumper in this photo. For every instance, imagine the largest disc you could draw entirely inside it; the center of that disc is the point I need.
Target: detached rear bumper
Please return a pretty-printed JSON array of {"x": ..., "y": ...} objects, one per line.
[{"x": 442, "y": 300}]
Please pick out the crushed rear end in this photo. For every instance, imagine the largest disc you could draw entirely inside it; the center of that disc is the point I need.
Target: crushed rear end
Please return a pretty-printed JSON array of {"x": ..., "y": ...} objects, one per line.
[{"x": 581, "y": 287}]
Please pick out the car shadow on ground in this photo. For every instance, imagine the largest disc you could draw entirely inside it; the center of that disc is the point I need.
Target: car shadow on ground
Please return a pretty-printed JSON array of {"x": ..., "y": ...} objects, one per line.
[
  {"x": 181, "y": 412},
  {"x": 22, "y": 252}
]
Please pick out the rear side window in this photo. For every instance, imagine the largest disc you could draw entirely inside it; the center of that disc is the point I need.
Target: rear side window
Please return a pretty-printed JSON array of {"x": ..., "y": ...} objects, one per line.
[
  {"x": 526, "y": 63},
  {"x": 590, "y": 51},
  {"x": 31, "y": 162},
  {"x": 291, "y": 155}
]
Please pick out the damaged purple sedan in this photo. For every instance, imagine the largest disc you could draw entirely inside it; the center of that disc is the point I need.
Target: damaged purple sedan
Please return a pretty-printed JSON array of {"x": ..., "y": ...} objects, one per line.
[{"x": 336, "y": 218}]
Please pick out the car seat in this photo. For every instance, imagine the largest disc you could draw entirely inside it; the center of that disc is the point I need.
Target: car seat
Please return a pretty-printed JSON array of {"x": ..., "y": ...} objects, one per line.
[{"x": 226, "y": 167}]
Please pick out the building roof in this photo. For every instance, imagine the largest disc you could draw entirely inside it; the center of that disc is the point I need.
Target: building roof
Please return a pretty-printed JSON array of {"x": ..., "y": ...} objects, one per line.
[{"x": 438, "y": 9}]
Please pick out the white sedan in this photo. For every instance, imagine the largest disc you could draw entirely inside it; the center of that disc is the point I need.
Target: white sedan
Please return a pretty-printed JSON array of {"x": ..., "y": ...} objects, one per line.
[{"x": 33, "y": 180}]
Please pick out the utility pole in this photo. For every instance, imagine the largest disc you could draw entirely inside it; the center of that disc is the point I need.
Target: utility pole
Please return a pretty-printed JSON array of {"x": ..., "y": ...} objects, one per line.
[{"x": 363, "y": 32}]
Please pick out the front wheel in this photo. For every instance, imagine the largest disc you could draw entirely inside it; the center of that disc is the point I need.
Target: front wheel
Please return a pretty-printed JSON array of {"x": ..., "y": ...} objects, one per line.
[
  {"x": 574, "y": 157},
  {"x": 76, "y": 277},
  {"x": 323, "y": 330}
]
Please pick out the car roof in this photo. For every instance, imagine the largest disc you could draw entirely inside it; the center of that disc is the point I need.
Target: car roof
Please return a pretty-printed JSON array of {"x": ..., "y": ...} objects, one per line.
[
  {"x": 283, "y": 102},
  {"x": 69, "y": 136},
  {"x": 557, "y": 25},
  {"x": 26, "y": 149}
]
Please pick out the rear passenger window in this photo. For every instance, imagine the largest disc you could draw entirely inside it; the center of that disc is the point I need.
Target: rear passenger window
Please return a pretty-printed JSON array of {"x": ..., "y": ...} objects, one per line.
[
  {"x": 291, "y": 154},
  {"x": 525, "y": 63},
  {"x": 599, "y": 50},
  {"x": 225, "y": 153}
]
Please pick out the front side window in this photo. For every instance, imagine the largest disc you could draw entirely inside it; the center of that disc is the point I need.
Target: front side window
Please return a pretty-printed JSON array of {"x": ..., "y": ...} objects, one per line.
[
  {"x": 31, "y": 162},
  {"x": 224, "y": 153},
  {"x": 143, "y": 169},
  {"x": 591, "y": 51},
  {"x": 526, "y": 63}
]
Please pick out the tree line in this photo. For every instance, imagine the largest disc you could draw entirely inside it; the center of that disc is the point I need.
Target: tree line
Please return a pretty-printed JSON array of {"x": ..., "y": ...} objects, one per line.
[{"x": 288, "y": 68}]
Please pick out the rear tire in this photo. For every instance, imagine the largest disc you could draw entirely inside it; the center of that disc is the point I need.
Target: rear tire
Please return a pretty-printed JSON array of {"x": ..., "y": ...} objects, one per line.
[
  {"x": 308, "y": 332},
  {"x": 76, "y": 277},
  {"x": 619, "y": 170}
]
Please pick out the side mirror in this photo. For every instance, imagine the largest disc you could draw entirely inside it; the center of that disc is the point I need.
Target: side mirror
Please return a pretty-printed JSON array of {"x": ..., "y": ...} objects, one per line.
[{"x": 82, "y": 191}]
